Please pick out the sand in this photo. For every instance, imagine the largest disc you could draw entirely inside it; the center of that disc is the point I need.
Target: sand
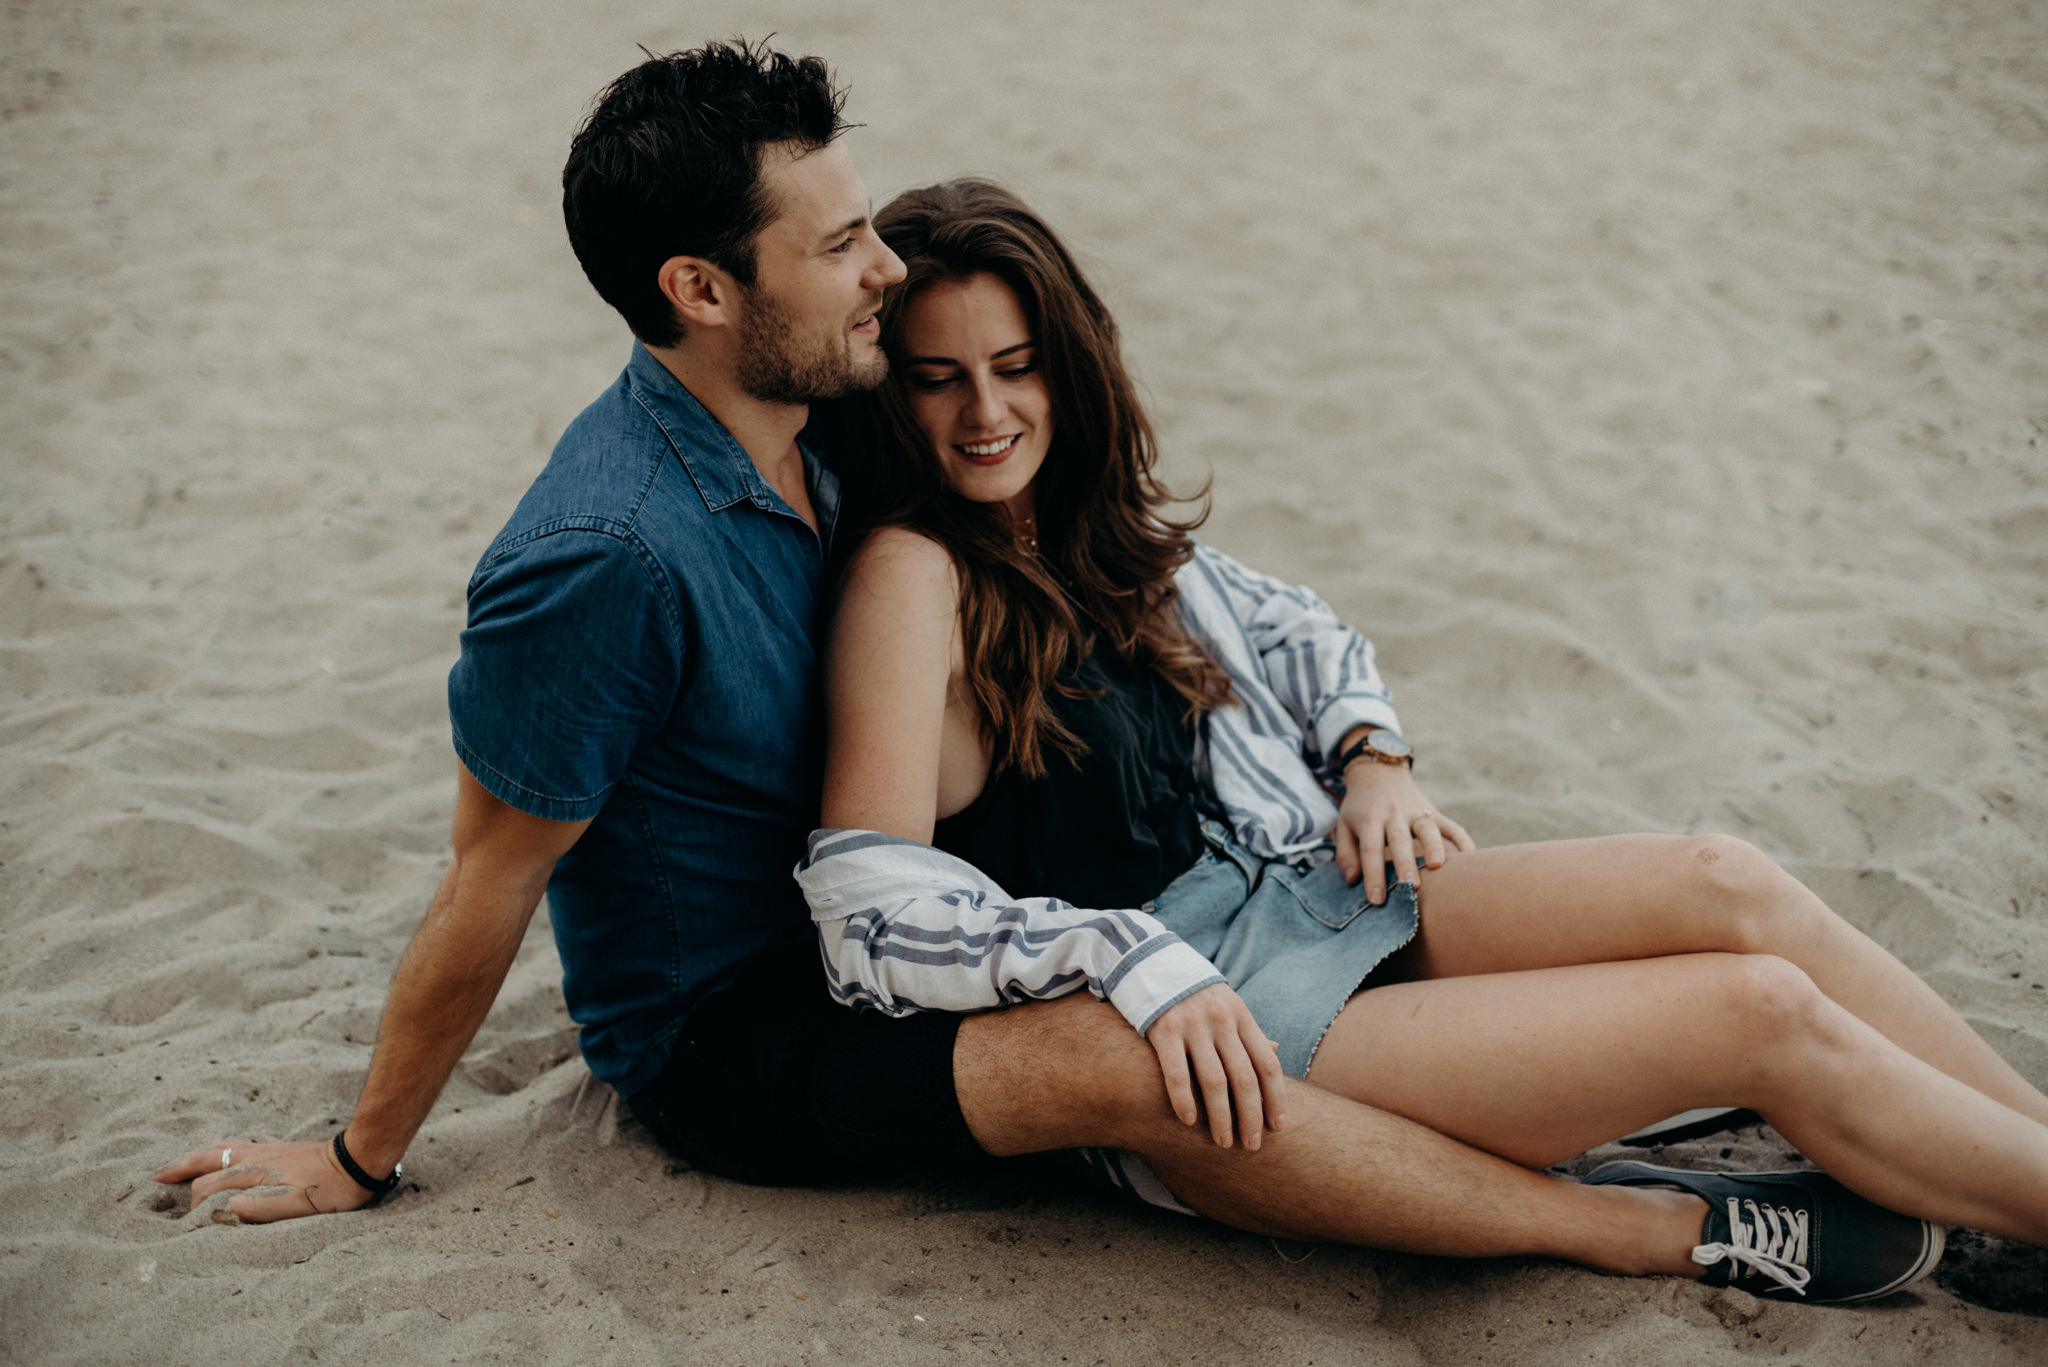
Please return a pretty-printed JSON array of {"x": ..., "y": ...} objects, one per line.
[{"x": 1663, "y": 386}]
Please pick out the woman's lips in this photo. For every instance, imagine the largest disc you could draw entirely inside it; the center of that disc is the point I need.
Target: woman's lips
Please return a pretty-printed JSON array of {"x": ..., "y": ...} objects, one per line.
[{"x": 993, "y": 452}]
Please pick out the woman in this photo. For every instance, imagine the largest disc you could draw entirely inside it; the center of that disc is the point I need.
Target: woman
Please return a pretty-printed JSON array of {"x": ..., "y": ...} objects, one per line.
[{"x": 1041, "y": 685}]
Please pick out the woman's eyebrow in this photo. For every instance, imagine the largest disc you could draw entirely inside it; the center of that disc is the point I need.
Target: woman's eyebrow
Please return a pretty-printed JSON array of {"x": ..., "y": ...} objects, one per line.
[{"x": 1025, "y": 345}]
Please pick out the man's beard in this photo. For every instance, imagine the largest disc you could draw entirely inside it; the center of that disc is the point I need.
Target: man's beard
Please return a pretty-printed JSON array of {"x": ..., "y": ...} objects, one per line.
[{"x": 776, "y": 366}]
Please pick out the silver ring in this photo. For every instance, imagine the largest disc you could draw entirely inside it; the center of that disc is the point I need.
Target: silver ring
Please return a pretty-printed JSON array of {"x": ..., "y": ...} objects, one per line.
[{"x": 227, "y": 1156}]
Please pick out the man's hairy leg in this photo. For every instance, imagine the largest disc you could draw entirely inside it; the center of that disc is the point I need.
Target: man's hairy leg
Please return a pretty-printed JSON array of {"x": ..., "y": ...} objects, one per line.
[{"x": 1072, "y": 1073}]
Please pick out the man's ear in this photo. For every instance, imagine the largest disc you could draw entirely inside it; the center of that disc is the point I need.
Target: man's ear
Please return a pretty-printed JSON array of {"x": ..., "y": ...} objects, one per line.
[{"x": 701, "y": 294}]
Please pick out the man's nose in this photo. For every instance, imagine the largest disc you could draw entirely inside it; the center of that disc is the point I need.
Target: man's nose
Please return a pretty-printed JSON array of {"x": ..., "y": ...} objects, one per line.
[{"x": 887, "y": 269}]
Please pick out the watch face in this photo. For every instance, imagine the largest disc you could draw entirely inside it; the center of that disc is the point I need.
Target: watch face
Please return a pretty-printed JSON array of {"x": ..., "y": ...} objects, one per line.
[{"x": 1388, "y": 744}]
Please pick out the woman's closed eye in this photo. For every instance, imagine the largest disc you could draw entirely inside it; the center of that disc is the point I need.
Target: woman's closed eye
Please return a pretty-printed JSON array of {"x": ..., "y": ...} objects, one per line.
[{"x": 930, "y": 382}]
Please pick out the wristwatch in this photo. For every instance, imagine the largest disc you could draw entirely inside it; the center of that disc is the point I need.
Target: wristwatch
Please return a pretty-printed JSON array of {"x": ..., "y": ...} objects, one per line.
[{"x": 1378, "y": 744}]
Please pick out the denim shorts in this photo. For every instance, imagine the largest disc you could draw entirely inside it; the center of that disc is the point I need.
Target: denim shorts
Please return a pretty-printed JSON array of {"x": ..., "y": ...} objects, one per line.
[{"x": 1292, "y": 938}]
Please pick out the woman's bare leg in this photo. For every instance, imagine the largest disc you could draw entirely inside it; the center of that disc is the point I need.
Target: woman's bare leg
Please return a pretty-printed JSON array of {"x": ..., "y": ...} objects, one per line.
[
  {"x": 1538, "y": 1065},
  {"x": 1639, "y": 896}
]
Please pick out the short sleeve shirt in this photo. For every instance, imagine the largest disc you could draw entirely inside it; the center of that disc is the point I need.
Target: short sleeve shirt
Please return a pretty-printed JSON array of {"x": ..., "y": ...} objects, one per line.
[{"x": 640, "y": 653}]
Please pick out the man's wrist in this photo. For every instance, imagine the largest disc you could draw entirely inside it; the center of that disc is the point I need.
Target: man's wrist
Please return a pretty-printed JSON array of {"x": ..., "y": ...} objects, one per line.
[
  {"x": 374, "y": 1153},
  {"x": 377, "y": 1186}
]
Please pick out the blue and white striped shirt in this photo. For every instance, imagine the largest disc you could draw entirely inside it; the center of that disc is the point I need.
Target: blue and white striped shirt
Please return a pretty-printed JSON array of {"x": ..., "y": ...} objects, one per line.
[
  {"x": 1302, "y": 679},
  {"x": 905, "y": 927}
]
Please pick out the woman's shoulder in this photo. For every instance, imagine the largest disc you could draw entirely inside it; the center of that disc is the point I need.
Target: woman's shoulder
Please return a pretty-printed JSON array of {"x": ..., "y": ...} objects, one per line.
[
  {"x": 916, "y": 549},
  {"x": 902, "y": 555},
  {"x": 905, "y": 568}
]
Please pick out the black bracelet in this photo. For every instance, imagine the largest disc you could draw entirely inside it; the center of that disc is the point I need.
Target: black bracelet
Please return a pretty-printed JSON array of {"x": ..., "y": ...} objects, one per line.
[{"x": 381, "y": 1186}]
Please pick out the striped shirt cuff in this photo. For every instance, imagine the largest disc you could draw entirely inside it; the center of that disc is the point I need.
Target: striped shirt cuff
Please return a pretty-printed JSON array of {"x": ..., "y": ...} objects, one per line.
[
  {"x": 1337, "y": 715},
  {"x": 1155, "y": 977}
]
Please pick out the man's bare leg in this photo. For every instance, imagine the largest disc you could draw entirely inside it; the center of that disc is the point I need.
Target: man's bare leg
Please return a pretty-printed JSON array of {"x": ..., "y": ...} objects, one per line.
[{"x": 1072, "y": 1074}]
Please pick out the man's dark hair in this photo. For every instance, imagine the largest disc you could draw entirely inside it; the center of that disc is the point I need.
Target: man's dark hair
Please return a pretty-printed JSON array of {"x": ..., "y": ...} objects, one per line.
[{"x": 669, "y": 164}]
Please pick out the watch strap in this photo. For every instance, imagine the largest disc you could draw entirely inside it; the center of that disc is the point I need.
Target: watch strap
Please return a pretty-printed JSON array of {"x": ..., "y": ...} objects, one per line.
[{"x": 1364, "y": 746}]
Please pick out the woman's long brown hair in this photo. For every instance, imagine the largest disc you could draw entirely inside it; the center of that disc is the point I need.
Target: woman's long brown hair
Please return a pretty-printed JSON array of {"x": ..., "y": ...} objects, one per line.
[{"x": 1103, "y": 575}]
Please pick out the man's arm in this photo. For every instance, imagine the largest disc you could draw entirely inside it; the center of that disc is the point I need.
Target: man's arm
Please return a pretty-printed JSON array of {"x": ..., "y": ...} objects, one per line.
[{"x": 445, "y": 984}]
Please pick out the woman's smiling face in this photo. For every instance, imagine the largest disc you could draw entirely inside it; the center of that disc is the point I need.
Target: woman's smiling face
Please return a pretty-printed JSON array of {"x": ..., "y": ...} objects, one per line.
[{"x": 970, "y": 370}]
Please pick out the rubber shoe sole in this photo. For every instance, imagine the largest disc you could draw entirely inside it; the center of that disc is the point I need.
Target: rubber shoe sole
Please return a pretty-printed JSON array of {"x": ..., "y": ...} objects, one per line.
[
  {"x": 1690, "y": 1125},
  {"x": 1762, "y": 1228}
]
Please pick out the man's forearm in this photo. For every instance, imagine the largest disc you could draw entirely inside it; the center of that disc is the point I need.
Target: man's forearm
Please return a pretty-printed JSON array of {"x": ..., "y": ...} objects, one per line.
[
  {"x": 443, "y": 989},
  {"x": 445, "y": 984}
]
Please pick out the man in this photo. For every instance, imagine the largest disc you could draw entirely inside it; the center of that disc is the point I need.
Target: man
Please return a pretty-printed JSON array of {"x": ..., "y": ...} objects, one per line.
[{"x": 637, "y": 711}]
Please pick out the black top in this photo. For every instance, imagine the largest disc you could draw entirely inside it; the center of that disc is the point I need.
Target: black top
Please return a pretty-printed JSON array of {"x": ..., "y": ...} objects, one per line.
[{"x": 1110, "y": 829}]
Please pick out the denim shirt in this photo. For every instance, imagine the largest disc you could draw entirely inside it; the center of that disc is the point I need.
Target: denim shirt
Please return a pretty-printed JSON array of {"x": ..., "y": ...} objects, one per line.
[{"x": 641, "y": 653}]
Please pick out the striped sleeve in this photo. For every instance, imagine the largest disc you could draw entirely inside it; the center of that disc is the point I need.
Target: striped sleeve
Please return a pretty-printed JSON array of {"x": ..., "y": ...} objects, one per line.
[
  {"x": 1302, "y": 679},
  {"x": 1319, "y": 669},
  {"x": 904, "y": 927}
]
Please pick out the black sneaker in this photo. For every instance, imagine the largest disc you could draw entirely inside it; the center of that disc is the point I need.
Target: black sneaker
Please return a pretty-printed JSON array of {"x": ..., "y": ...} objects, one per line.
[{"x": 1794, "y": 1235}]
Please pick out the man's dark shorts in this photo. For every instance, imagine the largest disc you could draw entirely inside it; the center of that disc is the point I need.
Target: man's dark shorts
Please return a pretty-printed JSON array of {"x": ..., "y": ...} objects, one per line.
[{"x": 773, "y": 1082}]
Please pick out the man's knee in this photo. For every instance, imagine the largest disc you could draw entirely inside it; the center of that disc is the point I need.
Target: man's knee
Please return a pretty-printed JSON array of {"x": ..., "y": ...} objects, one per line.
[{"x": 1054, "y": 1075}]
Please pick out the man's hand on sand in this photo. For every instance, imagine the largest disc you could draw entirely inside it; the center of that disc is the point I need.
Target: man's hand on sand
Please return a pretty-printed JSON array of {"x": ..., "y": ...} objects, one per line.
[
  {"x": 1213, "y": 1035},
  {"x": 313, "y": 1182}
]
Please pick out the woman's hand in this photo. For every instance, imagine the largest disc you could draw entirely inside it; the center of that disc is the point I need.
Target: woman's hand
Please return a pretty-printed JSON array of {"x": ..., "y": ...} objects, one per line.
[
  {"x": 1213, "y": 1034},
  {"x": 1385, "y": 817}
]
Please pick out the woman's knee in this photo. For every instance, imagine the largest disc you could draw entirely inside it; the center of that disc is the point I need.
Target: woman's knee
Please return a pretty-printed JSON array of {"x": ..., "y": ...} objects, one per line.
[
  {"x": 1748, "y": 904},
  {"x": 1776, "y": 1015}
]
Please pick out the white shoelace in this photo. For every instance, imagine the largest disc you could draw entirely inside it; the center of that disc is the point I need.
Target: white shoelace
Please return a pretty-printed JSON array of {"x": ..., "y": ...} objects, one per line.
[{"x": 1771, "y": 1242}]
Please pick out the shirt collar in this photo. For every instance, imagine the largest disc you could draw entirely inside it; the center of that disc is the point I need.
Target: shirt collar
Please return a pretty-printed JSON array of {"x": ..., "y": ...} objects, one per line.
[
  {"x": 823, "y": 482},
  {"x": 718, "y": 465}
]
